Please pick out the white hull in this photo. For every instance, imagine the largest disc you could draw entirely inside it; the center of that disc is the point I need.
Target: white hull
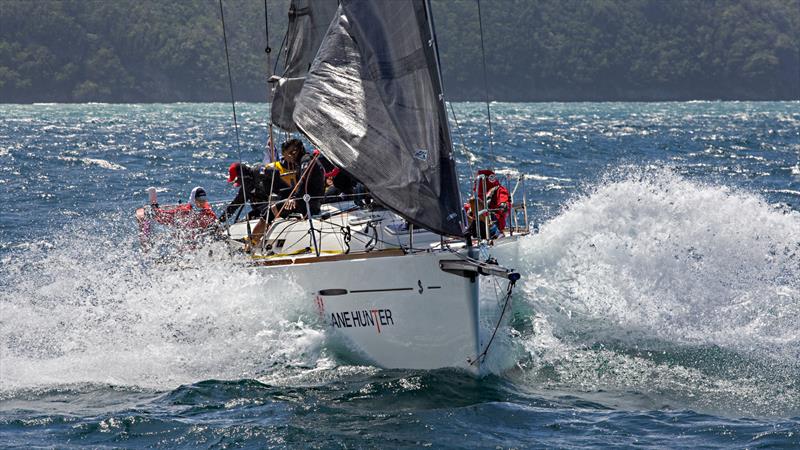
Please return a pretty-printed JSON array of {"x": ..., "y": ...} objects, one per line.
[
  {"x": 395, "y": 311},
  {"x": 390, "y": 306}
]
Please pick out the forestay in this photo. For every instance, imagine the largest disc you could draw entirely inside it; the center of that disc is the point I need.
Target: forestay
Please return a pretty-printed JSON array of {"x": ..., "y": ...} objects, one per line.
[
  {"x": 308, "y": 21},
  {"x": 372, "y": 102}
]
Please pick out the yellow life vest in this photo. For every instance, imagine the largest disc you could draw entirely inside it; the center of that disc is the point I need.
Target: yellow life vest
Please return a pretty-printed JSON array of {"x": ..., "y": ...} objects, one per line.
[
  {"x": 289, "y": 177},
  {"x": 277, "y": 165}
]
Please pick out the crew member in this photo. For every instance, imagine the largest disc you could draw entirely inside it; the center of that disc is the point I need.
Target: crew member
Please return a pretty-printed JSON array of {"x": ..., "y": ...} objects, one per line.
[
  {"x": 255, "y": 186},
  {"x": 309, "y": 174},
  {"x": 340, "y": 185},
  {"x": 332, "y": 193},
  {"x": 196, "y": 214},
  {"x": 498, "y": 204},
  {"x": 288, "y": 176},
  {"x": 187, "y": 222}
]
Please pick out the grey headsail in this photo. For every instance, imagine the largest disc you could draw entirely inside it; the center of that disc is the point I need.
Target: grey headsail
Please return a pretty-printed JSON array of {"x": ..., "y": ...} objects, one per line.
[
  {"x": 372, "y": 102},
  {"x": 308, "y": 21}
]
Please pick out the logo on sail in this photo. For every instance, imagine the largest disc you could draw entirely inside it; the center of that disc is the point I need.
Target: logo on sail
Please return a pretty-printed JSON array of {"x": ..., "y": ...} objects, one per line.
[{"x": 421, "y": 154}]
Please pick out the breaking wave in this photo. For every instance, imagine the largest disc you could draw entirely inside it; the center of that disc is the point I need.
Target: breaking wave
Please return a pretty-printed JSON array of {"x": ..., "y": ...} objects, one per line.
[
  {"x": 687, "y": 294},
  {"x": 88, "y": 307},
  {"x": 94, "y": 161}
]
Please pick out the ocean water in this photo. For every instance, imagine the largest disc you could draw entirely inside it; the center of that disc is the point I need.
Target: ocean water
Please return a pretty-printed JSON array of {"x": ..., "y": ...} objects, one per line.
[{"x": 659, "y": 304}]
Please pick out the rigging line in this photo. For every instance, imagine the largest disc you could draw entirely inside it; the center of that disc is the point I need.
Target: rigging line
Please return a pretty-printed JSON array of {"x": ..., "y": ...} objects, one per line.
[
  {"x": 233, "y": 106},
  {"x": 269, "y": 208},
  {"x": 461, "y": 138},
  {"x": 230, "y": 80},
  {"x": 291, "y": 194},
  {"x": 335, "y": 234},
  {"x": 482, "y": 355},
  {"x": 434, "y": 42},
  {"x": 486, "y": 86},
  {"x": 280, "y": 50},
  {"x": 268, "y": 51}
]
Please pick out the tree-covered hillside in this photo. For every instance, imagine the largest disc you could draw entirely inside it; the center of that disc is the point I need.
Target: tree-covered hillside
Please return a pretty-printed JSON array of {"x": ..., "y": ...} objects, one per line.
[
  {"x": 159, "y": 50},
  {"x": 128, "y": 50},
  {"x": 627, "y": 49}
]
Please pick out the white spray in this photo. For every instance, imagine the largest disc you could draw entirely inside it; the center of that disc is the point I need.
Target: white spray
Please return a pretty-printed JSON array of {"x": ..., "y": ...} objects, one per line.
[
  {"x": 90, "y": 310},
  {"x": 669, "y": 287}
]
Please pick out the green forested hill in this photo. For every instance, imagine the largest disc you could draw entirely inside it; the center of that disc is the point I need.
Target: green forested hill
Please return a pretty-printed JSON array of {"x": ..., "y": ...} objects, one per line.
[
  {"x": 629, "y": 49},
  {"x": 127, "y": 50},
  {"x": 160, "y": 50}
]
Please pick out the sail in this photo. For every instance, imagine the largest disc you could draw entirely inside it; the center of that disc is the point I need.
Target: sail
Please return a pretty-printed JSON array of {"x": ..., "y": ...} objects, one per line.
[
  {"x": 372, "y": 102},
  {"x": 308, "y": 21}
]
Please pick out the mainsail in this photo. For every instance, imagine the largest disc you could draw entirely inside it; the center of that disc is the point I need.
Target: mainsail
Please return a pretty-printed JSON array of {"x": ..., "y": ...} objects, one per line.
[
  {"x": 308, "y": 21},
  {"x": 373, "y": 103}
]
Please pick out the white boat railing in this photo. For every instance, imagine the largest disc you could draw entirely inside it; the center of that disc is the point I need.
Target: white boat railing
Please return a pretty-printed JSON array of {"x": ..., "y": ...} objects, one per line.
[{"x": 367, "y": 225}]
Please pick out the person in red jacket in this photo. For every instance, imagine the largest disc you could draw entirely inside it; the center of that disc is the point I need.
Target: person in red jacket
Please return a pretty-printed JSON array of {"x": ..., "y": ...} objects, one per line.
[
  {"x": 187, "y": 223},
  {"x": 196, "y": 214},
  {"x": 498, "y": 203}
]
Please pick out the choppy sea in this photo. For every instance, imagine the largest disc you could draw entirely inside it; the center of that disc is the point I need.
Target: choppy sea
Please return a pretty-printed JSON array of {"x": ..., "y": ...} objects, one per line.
[{"x": 659, "y": 304}]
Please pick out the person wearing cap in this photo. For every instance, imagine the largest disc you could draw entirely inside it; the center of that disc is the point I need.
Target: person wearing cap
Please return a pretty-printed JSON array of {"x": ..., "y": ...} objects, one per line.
[
  {"x": 332, "y": 192},
  {"x": 255, "y": 184},
  {"x": 196, "y": 214},
  {"x": 341, "y": 186}
]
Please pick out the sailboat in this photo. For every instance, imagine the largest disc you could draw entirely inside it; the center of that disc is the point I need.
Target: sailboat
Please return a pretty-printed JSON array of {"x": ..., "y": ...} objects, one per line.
[{"x": 397, "y": 280}]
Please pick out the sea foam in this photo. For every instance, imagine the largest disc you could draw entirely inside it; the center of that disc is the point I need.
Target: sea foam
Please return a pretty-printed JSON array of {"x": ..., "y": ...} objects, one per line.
[
  {"x": 91, "y": 308},
  {"x": 656, "y": 283}
]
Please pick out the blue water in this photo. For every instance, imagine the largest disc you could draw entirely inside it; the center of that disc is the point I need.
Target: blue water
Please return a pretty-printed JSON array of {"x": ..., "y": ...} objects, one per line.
[{"x": 659, "y": 306}]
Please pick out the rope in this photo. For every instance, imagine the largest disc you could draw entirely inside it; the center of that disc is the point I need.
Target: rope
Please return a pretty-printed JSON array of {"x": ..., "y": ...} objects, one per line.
[
  {"x": 486, "y": 85},
  {"x": 297, "y": 185},
  {"x": 482, "y": 355},
  {"x": 344, "y": 198},
  {"x": 461, "y": 138},
  {"x": 313, "y": 163},
  {"x": 506, "y": 302},
  {"x": 280, "y": 50},
  {"x": 233, "y": 106},
  {"x": 291, "y": 196},
  {"x": 268, "y": 51}
]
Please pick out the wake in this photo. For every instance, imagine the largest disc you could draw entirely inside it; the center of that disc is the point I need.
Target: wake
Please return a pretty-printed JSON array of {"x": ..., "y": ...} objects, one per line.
[{"x": 670, "y": 287}]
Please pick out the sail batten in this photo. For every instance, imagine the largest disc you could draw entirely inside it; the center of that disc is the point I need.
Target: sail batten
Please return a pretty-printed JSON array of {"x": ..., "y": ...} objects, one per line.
[{"x": 372, "y": 102}]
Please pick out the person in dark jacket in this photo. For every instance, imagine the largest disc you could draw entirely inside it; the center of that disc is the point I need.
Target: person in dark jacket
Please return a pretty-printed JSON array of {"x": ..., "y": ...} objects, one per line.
[
  {"x": 332, "y": 192},
  {"x": 341, "y": 186},
  {"x": 255, "y": 185},
  {"x": 310, "y": 177}
]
